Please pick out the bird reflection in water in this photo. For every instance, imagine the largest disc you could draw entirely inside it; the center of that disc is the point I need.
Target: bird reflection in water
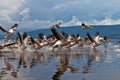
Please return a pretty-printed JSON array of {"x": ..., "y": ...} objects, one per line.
[
  {"x": 94, "y": 59},
  {"x": 9, "y": 67},
  {"x": 37, "y": 57},
  {"x": 24, "y": 60},
  {"x": 63, "y": 66},
  {"x": 89, "y": 60},
  {"x": 31, "y": 59}
]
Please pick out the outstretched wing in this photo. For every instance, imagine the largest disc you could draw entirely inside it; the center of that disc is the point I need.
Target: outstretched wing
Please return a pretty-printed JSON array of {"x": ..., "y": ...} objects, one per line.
[
  {"x": 57, "y": 34},
  {"x": 4, "y": 30},
  {"x": 34, "y": 42},
  {"x": 9, "y": 44},
  {"x": 90, "y": 38},
  {"x": 19, "y": 37},
  {"x": 41, "y": 36},
  {"x": 1, "y": 47}
]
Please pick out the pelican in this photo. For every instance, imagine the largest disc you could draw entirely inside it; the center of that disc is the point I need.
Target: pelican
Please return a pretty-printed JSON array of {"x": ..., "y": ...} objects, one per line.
[
  {"x": 9, "y": 32},
  {"x": 42, "y": 39},
  {"x": 65, "y": 40},
  {"x": 60, "y": 40},
  {"x": 57, "y": 25},
  {"x": 22, "y": 40},
  {"x": 96, "y": 41},
  {"x": 25, "y": 41},
  {"x": 84, "y": 26}
]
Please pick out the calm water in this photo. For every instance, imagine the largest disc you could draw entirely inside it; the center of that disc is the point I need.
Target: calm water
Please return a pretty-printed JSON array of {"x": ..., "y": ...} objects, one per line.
[{"x": 83, "y": 63}]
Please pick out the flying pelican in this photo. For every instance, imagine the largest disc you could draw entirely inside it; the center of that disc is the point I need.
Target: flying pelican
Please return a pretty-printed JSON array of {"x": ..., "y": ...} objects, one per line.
[
  {"x": 9, "y": 32},
  {"x": 25, "y": 41},
  {"x": 57, "y": 25},
  {"x": 96, "y": 41},
  {"x": 60, "y": 39},
  {"x": 84, "y": 26}
]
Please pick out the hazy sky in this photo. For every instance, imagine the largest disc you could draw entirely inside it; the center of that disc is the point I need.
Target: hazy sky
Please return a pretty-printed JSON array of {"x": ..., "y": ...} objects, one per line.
[{"x": 39, "y": 14}]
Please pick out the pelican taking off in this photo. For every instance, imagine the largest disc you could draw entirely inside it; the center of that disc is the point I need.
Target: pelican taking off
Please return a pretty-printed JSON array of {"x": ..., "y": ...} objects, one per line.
[
  {"x": 9, "y": 32},
  {"x": 96, "y": 41}
]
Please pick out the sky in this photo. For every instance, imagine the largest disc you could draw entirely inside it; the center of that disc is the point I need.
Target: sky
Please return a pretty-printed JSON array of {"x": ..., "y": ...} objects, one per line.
[{"x": 38, "y": 14}]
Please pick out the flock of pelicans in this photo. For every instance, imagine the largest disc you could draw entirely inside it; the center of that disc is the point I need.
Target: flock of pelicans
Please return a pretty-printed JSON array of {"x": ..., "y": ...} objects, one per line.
[{"x": 56, "y": 41}]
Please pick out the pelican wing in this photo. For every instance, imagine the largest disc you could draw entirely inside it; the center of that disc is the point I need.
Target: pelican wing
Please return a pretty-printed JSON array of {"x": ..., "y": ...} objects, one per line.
[
  {"x": 1, "y": 47},
  {"x": 90, "y": 38},
  {"x": 19, "y": 37},
  {"x": 4, "y": 30},
  {"x": 34, "y": 42},
  {"x": 57, "y": 34},
  {"x": 41, "y": 36},
  {"x": 9, "y": 44}
]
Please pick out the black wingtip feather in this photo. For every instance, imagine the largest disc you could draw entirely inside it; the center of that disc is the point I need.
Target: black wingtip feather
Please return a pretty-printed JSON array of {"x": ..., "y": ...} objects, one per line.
[{"x": 90, "y": 38}]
